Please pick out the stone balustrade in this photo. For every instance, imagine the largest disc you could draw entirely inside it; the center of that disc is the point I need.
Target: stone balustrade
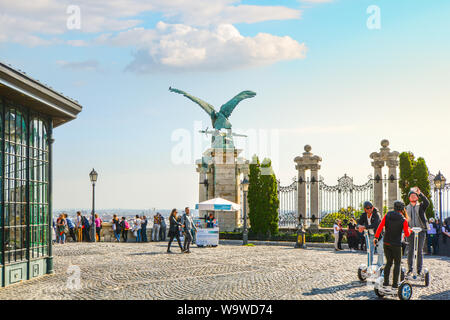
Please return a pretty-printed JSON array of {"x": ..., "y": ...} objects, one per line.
[{"x": 107, "y": 234}]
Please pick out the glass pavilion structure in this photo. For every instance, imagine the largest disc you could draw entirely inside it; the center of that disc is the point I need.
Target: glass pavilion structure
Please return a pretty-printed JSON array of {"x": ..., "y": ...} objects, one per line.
[{"x": 29, "y": 111}]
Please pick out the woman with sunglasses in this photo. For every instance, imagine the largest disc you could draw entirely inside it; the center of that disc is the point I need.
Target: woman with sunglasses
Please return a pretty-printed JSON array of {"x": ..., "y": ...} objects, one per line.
[{"x": 370, "y": 220}]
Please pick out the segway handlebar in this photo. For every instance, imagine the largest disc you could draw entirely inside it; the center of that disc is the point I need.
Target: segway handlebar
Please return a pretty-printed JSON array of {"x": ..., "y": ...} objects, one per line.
[{"x": 416, "y": 229}]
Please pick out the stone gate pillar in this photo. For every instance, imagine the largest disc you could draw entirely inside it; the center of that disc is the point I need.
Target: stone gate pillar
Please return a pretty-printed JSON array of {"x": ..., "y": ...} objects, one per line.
[
  {"x": 392, "y": 184},
  {"x": 308, "y": 162},
  {"x": 301, "y": 191},
  {"x": 385, "y": 156},
  {"x": 315, "y": 191},
  {"x": 378, "y": 184}
]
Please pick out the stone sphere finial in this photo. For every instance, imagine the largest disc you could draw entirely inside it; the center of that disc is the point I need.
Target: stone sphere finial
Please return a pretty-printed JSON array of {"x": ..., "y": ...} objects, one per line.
[
  {"x": 308, "y": 148},
  {"x": 385, "y": 143}
]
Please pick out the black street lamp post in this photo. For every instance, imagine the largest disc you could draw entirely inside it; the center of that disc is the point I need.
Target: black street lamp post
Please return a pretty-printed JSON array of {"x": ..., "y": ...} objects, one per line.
[
  {"x": 93, "y": 176},
  {"x": 245, "y": 183},
  {"x": 439, "y": 183}
]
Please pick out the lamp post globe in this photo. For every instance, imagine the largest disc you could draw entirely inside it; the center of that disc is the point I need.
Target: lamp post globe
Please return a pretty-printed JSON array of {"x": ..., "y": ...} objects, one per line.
[
  {"x": 245, "y": 184},
  {"x": 93, "y": 176}
]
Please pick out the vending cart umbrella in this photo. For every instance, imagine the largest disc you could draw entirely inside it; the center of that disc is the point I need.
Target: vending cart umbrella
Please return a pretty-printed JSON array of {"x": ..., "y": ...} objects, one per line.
[{"x": 217, "y": 204}]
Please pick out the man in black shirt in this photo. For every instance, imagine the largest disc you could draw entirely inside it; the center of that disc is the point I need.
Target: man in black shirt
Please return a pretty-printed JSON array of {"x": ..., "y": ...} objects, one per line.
[{"x": 369, "y": 220}]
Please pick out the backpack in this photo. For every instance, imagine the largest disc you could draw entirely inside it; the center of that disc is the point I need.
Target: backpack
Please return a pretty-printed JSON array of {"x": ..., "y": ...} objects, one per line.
[
  {"x": 127, "y": 226},
  {"x": 85, "y": 222}
]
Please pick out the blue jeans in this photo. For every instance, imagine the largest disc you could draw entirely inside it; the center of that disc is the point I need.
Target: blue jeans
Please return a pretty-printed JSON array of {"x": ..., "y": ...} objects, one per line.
[
  {"x": 139, "y": 235},
  {"x": 62, "y": 238},
  {"x": 117, "y": 234},
  {"x": 144, "y": 234},
  {"x": 380, "y": 251}
]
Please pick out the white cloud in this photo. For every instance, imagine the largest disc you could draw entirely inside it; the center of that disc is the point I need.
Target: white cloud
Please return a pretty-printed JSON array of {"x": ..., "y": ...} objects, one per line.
[
  {"x": 203, "y": 37},
  {"x": 29, "y": 22},
  {"x": 178, "y": 47}
]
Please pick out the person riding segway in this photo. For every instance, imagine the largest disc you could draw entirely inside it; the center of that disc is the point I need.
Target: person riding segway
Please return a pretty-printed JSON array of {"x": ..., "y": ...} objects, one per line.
[
  {"x": 369, "y": 221},
  {"x": 394, "y": 222}
]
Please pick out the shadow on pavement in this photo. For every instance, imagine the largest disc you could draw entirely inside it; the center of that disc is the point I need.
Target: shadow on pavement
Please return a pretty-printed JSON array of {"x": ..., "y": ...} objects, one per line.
[
  {"x": 334, "y": 289},
  {"x": 437, "y": 296}
]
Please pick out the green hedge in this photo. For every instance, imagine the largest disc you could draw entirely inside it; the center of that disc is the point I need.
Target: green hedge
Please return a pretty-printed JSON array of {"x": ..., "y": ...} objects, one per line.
[{"x": 292, "y": 237}]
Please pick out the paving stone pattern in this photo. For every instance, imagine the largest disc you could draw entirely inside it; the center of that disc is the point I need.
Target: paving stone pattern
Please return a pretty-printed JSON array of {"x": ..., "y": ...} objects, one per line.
[{"x": 227, "y": 272}]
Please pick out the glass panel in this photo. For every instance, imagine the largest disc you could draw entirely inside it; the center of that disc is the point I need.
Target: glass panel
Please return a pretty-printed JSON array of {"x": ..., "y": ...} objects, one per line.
[
  {"x": 38, "y": 167},
  {"x": 15, "y": 186}
]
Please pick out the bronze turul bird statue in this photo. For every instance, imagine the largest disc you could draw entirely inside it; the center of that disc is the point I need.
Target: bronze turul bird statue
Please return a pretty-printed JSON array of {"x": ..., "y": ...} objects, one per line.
[{"x": 219, "y": 119}]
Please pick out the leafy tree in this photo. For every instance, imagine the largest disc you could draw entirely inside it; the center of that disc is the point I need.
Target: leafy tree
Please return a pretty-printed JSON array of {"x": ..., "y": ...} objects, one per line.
[
  {"x": 269, "y": 197},
  {"x": 253, "y": 196},
  {"x": 414, "y": 173},
  {"x": 406, "y": 172},
  {"x": 420, "y": 176}
]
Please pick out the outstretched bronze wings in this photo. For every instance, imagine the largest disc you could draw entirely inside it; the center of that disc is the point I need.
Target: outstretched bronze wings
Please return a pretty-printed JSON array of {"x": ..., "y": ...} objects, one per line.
[
  {"x": 228, "y": 107},
  {"x": 205, "y": 105}
]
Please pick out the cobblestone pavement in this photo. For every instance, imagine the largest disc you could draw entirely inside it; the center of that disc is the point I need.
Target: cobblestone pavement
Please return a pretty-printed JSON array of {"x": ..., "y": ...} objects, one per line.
[{"x": 145, "y": 271}]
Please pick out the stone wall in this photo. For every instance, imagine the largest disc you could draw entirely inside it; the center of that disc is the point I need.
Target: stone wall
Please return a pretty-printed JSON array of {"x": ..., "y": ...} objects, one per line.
[{"x": 107, "y": 234}]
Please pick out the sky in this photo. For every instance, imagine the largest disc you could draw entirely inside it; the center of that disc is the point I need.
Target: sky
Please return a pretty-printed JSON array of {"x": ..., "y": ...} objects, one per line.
[{"x": 339, "y": 75}]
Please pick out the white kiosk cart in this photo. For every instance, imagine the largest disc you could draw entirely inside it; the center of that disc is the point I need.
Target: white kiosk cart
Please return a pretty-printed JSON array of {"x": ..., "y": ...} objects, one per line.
[{"x": 210, "y": 236}]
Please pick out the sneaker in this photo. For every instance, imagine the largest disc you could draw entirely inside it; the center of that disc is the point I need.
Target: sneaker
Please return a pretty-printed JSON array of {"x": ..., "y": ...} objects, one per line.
[{"x": 168, "y": 251}]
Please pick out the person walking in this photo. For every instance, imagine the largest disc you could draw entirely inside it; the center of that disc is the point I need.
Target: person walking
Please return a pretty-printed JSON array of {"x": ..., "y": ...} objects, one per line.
[
  {"x": 416, "y": 213},
  {"x": 187, "y": 225},
  {"x": 370, "y": 220},
  {"x": 144, "y": 223},
  {"x": 124, "y": 226},
  {"x": 137, "y": 228},
  {"x": 394, "y": 222},
  {"x": 174, "y": 230},
  {"x": 336, "y": 235},
  {"x": 98, "y": 226},
  {"x": 79, "y": 227},
  {"x": 163, "y": 231},
  {"x": 156, "y": 227},
  {"x": 71, "y": 227}
]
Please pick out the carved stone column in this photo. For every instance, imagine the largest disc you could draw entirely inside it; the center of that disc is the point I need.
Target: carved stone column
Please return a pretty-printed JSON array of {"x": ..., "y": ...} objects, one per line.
[
  {"x": 378, "y": 184},
  {"x": 379, "y": 159},
  {"x": 308, "y": 161},
  {"x": 315, "y": 192},
  {"x": 392, "y": 184},
  {"x": 301, "y": 191}
]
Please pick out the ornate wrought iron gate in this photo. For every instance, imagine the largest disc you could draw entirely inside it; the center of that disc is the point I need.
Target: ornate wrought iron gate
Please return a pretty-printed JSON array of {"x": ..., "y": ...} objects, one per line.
[
  {"x": 288, "y": 211},
  {"x": 343, "y": 195}
]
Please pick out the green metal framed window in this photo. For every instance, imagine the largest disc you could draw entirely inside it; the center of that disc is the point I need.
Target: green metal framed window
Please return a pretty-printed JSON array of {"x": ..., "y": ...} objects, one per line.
[
  {"x": 15, "y": 183},
  {"x": 24, "y": 184},
  {"x": 38, "y": 169}
]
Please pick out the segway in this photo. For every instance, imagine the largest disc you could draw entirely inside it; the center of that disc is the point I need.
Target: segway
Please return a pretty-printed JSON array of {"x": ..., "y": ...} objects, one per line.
[
  {"x": 370, "y": 272},
  {"x": 415, "y": 277},
  {"x": 404, "y": 291}
]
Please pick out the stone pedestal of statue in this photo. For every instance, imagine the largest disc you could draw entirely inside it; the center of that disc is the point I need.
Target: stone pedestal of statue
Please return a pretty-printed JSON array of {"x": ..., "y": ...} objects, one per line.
[{"x": 222, "y": 168}]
